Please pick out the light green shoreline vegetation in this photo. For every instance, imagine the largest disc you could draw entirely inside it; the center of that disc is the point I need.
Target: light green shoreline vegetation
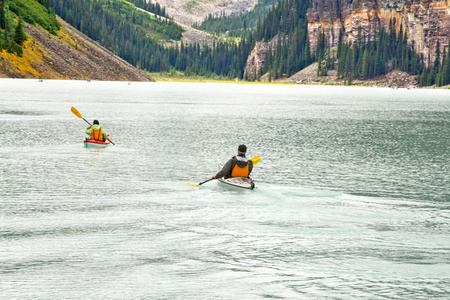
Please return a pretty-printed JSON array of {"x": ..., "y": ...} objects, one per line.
[{"x": 178, "y": 76}]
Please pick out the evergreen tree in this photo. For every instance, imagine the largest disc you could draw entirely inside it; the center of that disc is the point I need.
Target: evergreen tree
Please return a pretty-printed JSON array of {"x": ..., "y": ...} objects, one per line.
[
  {"x": 437, "y": 57},
  {"x": 340, "y": 41},
  {"x": 446, "y": 67},
  {"x": 20, "y": 36},
  {"x": 365, "y": 64},
  {"x": 3, "y": 13},
  {"x": 348, "y": 63},
  {"x": 342, "y": 54},
  {"x": 291, "y": 51},
  {"x": 388, "y": 50}
]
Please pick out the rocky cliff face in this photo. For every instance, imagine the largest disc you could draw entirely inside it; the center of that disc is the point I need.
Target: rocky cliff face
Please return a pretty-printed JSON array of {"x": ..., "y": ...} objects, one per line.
[
  {"x": 195, "y": 11},
  {"x": 426, "y": 22},
  {"x": 69, "y": 55},
  {"x": 255, "y": 61}
]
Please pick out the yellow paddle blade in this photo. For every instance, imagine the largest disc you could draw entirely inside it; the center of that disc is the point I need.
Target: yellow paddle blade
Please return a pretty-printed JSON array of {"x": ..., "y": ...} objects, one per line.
[
  {"x": 255, "y": 160},
  {"x": 189, "y": 184},
  {"x": 76, "y": 113}
]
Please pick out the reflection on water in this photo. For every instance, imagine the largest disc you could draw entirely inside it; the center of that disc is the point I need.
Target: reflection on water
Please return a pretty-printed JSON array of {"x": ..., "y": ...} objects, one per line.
[
  {"x": 21, "y": 113},
  {"x": 351, "y": 199}
]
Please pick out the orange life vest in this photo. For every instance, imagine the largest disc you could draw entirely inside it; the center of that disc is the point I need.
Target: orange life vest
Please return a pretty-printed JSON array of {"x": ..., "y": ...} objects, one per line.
[
  {"x": 239, "y": 172},
  {"x": 97, "y": 135}
]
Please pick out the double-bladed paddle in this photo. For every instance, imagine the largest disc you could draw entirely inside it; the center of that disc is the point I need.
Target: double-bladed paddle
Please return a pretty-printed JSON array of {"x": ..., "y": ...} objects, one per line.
[
  {"x": 203, "y": 182},
  {"x": 77, "y": 113},
  {"x": 255, "y": 160}
]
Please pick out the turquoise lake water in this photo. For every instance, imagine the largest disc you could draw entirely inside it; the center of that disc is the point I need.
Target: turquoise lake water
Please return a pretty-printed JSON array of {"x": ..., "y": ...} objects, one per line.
[{"x": 352, "y": 197}]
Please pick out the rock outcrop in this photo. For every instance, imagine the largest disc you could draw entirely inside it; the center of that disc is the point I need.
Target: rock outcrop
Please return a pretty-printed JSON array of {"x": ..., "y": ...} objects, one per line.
[
  {"x": 255, "y": 61},
  {"x": 69, "y": 55},
  {"x": 425, "y": 22},
  {"x": 190, "y": 34},
  {"x": 393, "y": 79}
]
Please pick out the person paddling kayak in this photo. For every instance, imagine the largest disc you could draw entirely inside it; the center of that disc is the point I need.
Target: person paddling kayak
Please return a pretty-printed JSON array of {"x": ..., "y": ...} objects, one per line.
[
  {"x": 96, "y": 132},
  {"x": 237, "y": 166}
]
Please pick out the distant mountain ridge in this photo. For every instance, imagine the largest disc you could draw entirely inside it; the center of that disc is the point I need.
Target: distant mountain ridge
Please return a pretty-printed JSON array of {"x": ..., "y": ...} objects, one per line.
[{"x": 194, "y": 11}]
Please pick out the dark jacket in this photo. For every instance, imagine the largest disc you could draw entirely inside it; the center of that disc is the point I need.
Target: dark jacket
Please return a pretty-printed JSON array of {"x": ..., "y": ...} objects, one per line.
[{"x": 228, "y": 167}]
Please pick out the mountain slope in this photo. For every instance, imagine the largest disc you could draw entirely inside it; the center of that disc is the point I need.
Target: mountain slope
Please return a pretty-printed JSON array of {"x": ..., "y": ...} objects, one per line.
[
  {"x": 190, "y": 35},
  {"x": 68, "y": 55}
]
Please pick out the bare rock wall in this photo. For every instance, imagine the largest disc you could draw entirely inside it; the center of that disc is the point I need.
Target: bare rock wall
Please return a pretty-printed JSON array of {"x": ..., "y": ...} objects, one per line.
[{"x": 426, "y": 22}]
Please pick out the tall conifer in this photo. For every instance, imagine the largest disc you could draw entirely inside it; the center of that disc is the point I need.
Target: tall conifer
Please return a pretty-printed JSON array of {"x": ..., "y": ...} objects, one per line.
[
  {"x": 437, "y": 57},
  {"x": 3, "y": 13},
  {"x": 20, "y": 36},
  {"x": 365, "y": 64}
]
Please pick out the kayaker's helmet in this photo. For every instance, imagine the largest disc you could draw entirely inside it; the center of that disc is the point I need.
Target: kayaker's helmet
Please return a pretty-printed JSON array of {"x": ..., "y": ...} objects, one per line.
[
  {"x": 242, "y": 149},
  {"x": 96, "y": 122}
]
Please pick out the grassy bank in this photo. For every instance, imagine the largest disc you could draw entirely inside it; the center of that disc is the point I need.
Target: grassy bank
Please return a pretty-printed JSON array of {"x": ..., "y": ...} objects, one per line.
[{"x": 178, "y": 76}]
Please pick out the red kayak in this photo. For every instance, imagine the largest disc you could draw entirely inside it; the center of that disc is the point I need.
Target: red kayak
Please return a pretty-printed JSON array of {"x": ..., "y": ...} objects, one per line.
[{"x": 97, "y": 144}]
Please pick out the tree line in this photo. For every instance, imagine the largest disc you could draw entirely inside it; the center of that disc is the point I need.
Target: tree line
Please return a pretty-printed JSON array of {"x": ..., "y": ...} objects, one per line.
[
  {"x": 287, "y": 23},
  {"x": 368, "y": 57},
  {"x": 285, "y": 28},
  {"x": 134, "y": 35},
  {"x": 285, "y": 20},
  {"x": 438, "y": 72},
  {"x": 139, "y": 38}
]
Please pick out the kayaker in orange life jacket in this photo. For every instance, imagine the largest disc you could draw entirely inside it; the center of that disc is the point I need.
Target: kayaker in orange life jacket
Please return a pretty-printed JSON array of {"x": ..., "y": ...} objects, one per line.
[
  {"x": 237, "y": 166},
  {"x": 96, "y": 132}
]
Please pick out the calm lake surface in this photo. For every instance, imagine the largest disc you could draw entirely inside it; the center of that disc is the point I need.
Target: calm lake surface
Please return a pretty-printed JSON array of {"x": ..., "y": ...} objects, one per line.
[{"x": 352, "y": 198}]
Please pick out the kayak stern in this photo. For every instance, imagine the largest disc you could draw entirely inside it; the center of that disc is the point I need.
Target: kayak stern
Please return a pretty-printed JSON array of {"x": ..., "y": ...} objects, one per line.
[{"x": 97, "y": 144}]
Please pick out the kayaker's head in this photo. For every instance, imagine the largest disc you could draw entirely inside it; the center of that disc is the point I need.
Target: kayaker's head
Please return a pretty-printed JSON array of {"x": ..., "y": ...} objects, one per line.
[
  {"x": 96, "y": 122},
  {"x": 242, "y": 149}
]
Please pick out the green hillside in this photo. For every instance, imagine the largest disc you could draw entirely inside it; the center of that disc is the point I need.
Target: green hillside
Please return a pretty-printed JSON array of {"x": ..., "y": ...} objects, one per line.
[
  {"x": 14, "y": 12},
  {"x": 36, "y": 12},
  {"x": 119, "y": 26}
]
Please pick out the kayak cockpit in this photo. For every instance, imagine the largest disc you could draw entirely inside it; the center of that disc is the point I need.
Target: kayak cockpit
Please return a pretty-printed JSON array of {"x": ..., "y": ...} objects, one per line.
[{"x": 97, "y": 144}]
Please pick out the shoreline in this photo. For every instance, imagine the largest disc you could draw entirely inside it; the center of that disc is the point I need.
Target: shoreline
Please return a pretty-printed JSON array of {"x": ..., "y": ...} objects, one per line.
[
  {"x": 187, "y": 79},
  {"x": 196, "y": 79},
  {"x": 158, "y": 77}
]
